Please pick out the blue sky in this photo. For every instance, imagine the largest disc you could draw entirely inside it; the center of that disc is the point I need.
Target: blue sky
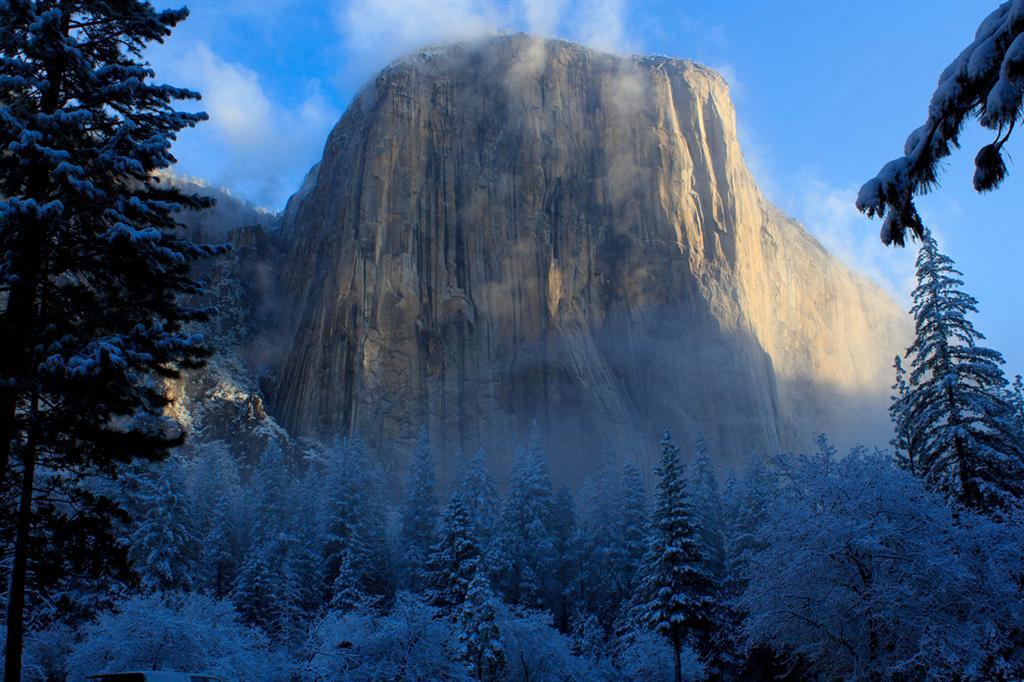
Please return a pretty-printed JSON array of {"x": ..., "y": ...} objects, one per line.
[{"x": 825, "y": 93}]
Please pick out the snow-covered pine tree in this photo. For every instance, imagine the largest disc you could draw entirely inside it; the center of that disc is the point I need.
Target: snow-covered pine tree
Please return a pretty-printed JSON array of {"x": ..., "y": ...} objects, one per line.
[
  {"x": 904, "y": 437},
  {"x": 95, "y": 268},
  {"x": 675, "y": 594},
  {"x": 710, "y": 526},
  {"x": 453, "y": 560},
  {"x": 256, "y": 595},
  {"x": 521, "y": 558},
  {"x": 346, "y": 591},
  {"x": 163, "y": 546},
  {"x": 1017, "y": 403},
  {"x": 479, "y": 493},
  {"x": 707, "y": 507},
  {"x": 302, "y": 589},
  {"x": 985, "y": 81},
  {"x": 217, "y": 563},
  {"x": 343, "y": 547},
  {"x": 632, "y": 529},
  {"x": 419, "y": 511},
  {"x": 964, "y": 441},
  {"x": 597, "y": 539},
  {"x": 479, "y": 637},
  {"x": 747, "y": 505},
  {"x": 566, "y": 543}
]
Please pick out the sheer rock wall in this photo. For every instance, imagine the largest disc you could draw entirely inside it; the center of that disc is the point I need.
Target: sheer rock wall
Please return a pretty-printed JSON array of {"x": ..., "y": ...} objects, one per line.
[{"x": 521, "y": 229}]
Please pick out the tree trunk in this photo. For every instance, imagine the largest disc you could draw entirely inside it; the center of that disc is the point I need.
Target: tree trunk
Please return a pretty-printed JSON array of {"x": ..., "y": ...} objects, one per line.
[
  {"x": 677, "y": 651},
  {"x": 19, "y": 571}
]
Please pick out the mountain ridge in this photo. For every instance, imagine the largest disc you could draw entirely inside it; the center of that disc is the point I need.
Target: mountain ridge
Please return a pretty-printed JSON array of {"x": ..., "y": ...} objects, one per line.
[{"x": 521, "y": 228}]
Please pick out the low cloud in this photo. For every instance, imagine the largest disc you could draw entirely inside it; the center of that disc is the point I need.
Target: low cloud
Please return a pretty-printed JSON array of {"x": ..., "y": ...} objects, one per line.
[
  {"x": 829, "y": 214},
  {"x": 374, "y": 32}
]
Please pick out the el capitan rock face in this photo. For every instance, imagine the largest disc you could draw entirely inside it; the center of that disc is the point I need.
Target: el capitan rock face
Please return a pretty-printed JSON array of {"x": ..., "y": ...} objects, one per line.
[{"x": 522, "y": 229}]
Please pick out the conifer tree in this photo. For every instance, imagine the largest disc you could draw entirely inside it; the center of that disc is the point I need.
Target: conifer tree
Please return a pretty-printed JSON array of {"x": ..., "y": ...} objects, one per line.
[
  {"x": 632, "y": 527},
  {"x": 674, "y": 596},
  {"x": 479, "y": 493},
  {"x": 256, "y": 596},
  {"x": 707, "y": 507},
  {"x": 964, "y": 442},
  {"x": 164, "y": 547},
  {"x": 419, "y": 510},
  {"x": 479, "y": 637},
  {"x": 346, "y": 592},
  {"x": 566, "y": 544},
  {"x": 597, "y": 539},
  {"x": 95, "y": 269},
  {"x": 341, "y": 526},
  {"x": 1017, "y": 403},
  {"x": 522, "y": 554},
  {"x": 454, "y": 559},
  {"x": 904, "y": 437},
  {"x": 216, "y": 557}
]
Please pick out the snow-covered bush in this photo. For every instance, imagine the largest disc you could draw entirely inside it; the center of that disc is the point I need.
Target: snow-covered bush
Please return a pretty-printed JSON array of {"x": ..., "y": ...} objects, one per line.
[
  {"x": 408, "y": 643},
  {"x": 535, "y": 650},
  {"x": 171, "y": 631},
  {"x": 648, "y": 656},
  {"x": 867, "y": 575},
  {"x": 45, "y": 653}
]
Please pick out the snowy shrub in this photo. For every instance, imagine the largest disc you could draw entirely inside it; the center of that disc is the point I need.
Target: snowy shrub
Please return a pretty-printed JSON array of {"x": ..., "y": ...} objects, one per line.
[
  {"x": 171, "y": 631},
  {"x": 648, "y": 656},
  {"x": 535, "y": 650},
  {"x": 867, "y": 575},
  {"x": 45, "y": 653},
  {"x": 407, "y": 643}
]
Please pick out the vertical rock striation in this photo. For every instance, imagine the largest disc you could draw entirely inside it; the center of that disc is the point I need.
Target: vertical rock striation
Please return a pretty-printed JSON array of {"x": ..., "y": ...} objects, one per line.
[{"x": 522, "y": 229}]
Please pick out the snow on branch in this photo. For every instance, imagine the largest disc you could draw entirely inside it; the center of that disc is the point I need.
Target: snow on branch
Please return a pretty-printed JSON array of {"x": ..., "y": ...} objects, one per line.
[{"x": 985, "y": 81}]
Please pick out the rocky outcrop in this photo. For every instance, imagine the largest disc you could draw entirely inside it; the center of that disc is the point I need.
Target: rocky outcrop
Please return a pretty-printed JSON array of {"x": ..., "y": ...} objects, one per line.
[{"x": 525, "y": 229}]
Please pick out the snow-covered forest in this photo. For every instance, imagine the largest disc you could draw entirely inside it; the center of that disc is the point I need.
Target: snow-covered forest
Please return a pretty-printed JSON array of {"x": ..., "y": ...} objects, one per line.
[
  {"x": 901, "y": 564},
  {"x": 842, "y": 564},
  {"x": 125, "y": 545}
]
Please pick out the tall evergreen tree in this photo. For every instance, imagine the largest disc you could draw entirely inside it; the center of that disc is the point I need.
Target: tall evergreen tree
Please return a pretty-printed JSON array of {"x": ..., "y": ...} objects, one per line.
[
  {"x": 522, "y": 554},
  {"x": 217, "y": 562},
  {"x": 903, "y": 441},
  {"x": 707, "y": 507},
  {"x": 1017, "y": 403},
  {"x": 479, "y": 637},
  {"x": 566, "y": 566},
  {"x": 675, "y": 595},
  {"x": 479, "y": 493},
  {"x": 454, "y": 559},
  {"x": 256, "y": 595},
  {"x": 163, "y": 546},
  {"x": 632, "y": 528},
  {"x": 597, "y": 540},
  {"x": 344, "y": 547},
  {"x": 95, "y": 267},
  {"x": 964, "y": 443},
  {"x": 419, "y": 510},
  {"x": 346, "y": 591}
]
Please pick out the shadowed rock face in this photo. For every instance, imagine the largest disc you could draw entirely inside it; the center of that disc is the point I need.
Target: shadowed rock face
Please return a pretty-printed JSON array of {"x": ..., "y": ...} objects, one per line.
[{"x": 524, "y": 229}]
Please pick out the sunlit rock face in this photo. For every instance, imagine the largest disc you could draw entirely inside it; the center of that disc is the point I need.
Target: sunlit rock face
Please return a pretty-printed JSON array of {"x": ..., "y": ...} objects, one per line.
[{"x": 524, "y": 229}]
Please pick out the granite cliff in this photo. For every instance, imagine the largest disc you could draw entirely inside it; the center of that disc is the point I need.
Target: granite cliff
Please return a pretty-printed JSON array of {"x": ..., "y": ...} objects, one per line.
[{"x": 524, "y": 229}]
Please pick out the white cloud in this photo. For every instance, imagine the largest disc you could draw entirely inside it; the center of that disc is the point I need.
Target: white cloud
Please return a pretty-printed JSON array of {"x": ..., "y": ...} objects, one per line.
[
  {"x": 375, "y": 32},
  {"x": 829, "y": 213},
  {"x": 381, "y": 30},
  {"x": 256, "y": 146},
  {"x": 602, "y": 25},
  {"x": 543, "y": 17}
]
